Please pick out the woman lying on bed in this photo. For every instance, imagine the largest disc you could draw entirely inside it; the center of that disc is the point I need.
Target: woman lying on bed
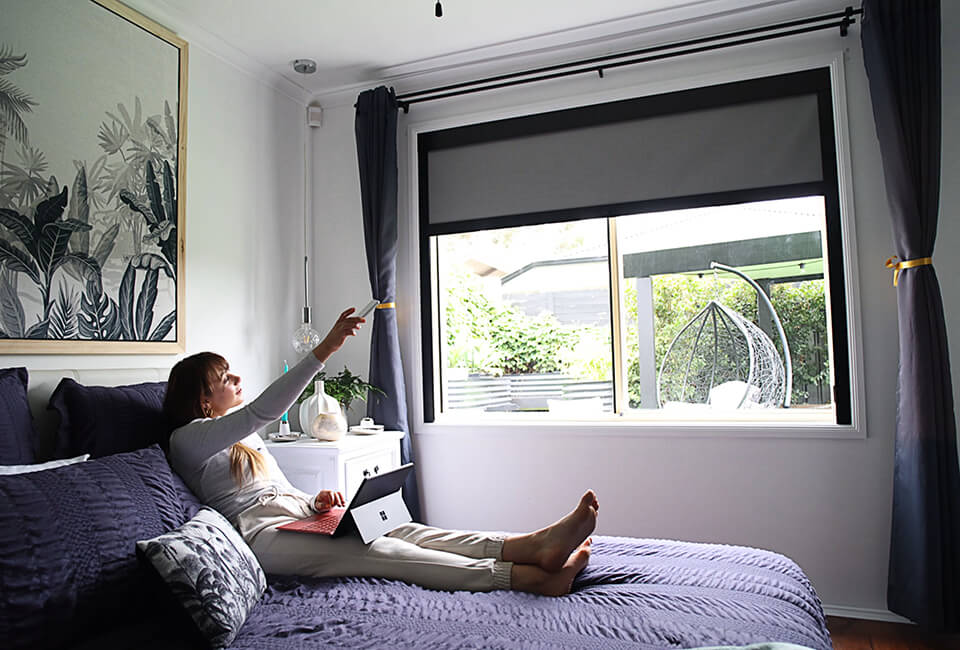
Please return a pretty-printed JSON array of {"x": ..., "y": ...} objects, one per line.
[{"x": 225, "y": 462}]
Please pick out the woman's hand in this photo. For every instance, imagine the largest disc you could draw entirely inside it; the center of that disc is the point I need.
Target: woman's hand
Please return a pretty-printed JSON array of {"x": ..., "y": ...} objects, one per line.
[
  {"x": 345, "y": 326},
  {"x": 327, "y": 499}
]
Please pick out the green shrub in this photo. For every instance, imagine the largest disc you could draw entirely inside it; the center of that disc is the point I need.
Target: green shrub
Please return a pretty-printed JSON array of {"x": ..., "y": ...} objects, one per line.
[
  {"x": 802, "y": 311},
  {"x": 500, "y": 339}
]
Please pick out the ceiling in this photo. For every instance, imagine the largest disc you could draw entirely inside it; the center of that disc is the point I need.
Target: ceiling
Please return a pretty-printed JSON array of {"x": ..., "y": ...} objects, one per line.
[{"x": 359, "y": 41}]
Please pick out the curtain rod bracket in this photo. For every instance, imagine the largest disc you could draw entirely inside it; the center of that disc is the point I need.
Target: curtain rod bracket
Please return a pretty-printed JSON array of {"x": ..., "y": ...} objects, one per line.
[
  {"x": 847, "y": 21},
  {"x": 600, "y": 72}
]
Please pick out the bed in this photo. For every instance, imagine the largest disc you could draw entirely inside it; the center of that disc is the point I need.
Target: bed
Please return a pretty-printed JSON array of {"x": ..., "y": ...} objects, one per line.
[{"x": 635, "y": 593}]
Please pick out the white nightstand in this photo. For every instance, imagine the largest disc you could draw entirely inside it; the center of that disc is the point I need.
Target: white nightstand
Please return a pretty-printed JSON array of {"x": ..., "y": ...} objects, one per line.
[{"x": 313, "y": 466}]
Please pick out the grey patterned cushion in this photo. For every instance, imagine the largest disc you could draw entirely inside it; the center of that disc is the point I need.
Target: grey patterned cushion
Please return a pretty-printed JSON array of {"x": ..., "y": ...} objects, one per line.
[{"x": 210, "y": 571}]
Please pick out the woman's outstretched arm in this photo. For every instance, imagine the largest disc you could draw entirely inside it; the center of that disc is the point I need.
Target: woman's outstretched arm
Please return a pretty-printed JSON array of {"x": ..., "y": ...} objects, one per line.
[{"x": 197, "y": 441}]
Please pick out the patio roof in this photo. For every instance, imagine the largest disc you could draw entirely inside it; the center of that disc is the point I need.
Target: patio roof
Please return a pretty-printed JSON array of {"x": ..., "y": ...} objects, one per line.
[{"x": 793, "y": 255}]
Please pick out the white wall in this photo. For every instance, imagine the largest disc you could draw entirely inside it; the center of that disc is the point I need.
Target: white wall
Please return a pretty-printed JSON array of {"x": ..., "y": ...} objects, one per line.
[
  {"x": 244, "y": 220},
  {"x": 948, "y": 237},
  {"x": 339, "y": 261},
  {"x": 243, "y": 227},
  {"x": 825, "y": 503}
]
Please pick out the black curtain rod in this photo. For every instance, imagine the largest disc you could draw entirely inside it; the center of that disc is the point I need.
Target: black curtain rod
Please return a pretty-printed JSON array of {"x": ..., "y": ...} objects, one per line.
[{"x": 841, "y": 20}]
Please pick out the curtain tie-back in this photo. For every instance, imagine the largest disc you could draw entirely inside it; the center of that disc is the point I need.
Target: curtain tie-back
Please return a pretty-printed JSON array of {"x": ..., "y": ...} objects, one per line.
[
  {"x": 387, "y": 305},
  {"x": 905, "y": 264}
]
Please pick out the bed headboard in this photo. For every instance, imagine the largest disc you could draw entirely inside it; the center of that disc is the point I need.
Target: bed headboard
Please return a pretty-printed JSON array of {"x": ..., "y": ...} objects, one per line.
[{"x": 43, "y": 382}]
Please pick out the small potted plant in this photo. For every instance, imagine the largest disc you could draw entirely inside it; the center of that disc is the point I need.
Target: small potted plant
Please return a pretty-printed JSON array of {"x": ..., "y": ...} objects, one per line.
[{"x": 326, "y": 400}]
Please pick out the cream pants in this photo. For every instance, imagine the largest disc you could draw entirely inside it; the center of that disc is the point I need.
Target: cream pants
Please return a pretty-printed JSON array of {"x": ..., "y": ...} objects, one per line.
[{"x": 422, "y": 555}]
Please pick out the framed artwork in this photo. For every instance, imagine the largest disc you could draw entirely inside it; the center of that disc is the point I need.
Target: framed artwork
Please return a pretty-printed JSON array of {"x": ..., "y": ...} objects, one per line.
[{"x": 92, "y": 168}]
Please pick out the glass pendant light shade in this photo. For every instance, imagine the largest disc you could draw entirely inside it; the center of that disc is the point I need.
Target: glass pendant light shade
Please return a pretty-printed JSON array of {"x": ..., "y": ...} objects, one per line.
[{"x": 305, "y": 338}]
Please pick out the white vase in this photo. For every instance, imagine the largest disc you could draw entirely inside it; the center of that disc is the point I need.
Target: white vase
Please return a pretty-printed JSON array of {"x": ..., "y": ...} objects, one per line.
[
  {"x": 321, "y": 415},
  {"x": 308, "y": 407}
]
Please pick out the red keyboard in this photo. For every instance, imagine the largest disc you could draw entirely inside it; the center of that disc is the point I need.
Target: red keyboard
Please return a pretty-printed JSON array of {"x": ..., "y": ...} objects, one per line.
[{"x": 324, "y": 523}]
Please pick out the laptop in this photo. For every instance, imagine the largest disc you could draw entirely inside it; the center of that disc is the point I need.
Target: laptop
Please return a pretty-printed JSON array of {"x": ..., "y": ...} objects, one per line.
[{"x": 375, "y": 509}]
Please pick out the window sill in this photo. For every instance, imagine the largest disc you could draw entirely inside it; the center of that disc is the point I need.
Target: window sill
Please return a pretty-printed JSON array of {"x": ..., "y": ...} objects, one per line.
[{"x": 660, "y": 426}]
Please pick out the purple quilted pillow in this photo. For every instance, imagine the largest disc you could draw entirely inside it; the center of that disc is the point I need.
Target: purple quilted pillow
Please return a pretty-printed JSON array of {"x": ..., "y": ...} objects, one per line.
[
  {"x": 191, "y": 504},
  {"x": 16, "y": 423},
  {"x": 104, "y": 420},
  {"x": 68, "y": 567}
]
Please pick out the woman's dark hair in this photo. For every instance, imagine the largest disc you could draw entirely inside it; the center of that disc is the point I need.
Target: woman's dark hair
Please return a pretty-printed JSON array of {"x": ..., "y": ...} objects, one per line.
[{"x": 191, "y": 380}]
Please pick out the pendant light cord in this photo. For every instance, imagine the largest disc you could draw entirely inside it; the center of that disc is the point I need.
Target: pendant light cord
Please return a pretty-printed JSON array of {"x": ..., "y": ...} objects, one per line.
[
  {"x": 305, "y": 337},
  {"x": 306, "y": 301}
]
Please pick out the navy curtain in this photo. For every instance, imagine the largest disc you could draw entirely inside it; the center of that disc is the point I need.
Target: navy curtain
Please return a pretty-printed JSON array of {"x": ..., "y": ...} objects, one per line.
[
  {"x": 376, "y": 131},
  {"x": 901, "y": 47}
]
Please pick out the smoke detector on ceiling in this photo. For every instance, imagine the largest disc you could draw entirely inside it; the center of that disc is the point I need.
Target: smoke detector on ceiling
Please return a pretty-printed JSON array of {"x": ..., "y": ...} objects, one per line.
[{"x": 305, "y": 66}]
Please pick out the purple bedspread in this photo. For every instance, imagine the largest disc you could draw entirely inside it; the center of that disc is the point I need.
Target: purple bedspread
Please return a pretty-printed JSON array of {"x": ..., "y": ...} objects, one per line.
[{"x": 636, "y": 593}]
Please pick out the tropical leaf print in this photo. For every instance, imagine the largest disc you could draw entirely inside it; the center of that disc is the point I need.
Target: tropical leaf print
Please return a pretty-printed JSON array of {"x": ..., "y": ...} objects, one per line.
[
  {"x": 13, "y": 101},
  {"x": 63, "y": 238},
  {"x": 64, "y": 321},
  {"x": 23, "y": 184},
  {"x": 211, "y": 572},
  {"x": 99, "y": 317},
  {"x": 11, "y": 310},
  {"x": 136, "y": 311}
]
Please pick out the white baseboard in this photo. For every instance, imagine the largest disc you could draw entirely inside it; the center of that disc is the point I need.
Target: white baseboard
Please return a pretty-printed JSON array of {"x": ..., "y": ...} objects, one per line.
[{"x": 867, "y": 614}]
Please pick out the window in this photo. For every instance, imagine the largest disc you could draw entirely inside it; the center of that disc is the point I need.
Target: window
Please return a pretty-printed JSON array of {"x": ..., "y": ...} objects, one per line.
[
  {"x": 526, "y": 318},
  {"x": 697, "y": 334},
  {"x": 673, "y": 257}
]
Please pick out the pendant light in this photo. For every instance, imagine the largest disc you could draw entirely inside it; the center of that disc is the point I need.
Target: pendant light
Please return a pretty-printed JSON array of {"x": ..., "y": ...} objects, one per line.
[{"x": 305, "y": 338}]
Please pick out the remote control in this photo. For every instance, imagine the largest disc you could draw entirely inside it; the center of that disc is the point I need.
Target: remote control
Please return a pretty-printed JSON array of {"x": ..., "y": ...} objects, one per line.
[{"x": 367, "y": 308}]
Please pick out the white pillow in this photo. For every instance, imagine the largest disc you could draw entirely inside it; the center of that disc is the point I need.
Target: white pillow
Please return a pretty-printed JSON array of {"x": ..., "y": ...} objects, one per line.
[
  {"x": 210, "y": 571},
  {"x": 6, "y": 470},
  {"x": 734, "y": 394}
]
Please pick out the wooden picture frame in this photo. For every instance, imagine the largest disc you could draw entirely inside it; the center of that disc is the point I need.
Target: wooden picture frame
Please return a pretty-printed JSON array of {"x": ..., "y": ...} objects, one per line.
[{"x": 92, "y": 180}]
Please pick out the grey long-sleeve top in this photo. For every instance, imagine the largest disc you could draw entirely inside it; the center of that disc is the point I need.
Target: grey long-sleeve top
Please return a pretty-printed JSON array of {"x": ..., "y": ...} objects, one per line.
[{"x": 200, "y": 450}]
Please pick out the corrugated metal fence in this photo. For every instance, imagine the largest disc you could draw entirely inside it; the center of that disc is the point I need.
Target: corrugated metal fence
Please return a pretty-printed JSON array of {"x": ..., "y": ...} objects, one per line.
[{"x": 523, "y": 392}]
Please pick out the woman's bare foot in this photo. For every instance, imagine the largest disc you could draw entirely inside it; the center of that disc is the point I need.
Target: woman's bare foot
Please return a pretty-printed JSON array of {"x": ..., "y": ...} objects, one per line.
[
  {"x": 549, "y": 548},
  {"x": 534, "y": 580}
]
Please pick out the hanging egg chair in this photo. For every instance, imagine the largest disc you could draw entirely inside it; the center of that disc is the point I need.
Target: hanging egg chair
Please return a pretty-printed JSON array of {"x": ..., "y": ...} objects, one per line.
[{"x": 724, "y": 360}]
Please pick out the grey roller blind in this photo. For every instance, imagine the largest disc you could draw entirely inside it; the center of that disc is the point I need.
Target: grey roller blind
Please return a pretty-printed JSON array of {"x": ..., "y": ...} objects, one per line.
[{"x": 757, "y": 144}]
